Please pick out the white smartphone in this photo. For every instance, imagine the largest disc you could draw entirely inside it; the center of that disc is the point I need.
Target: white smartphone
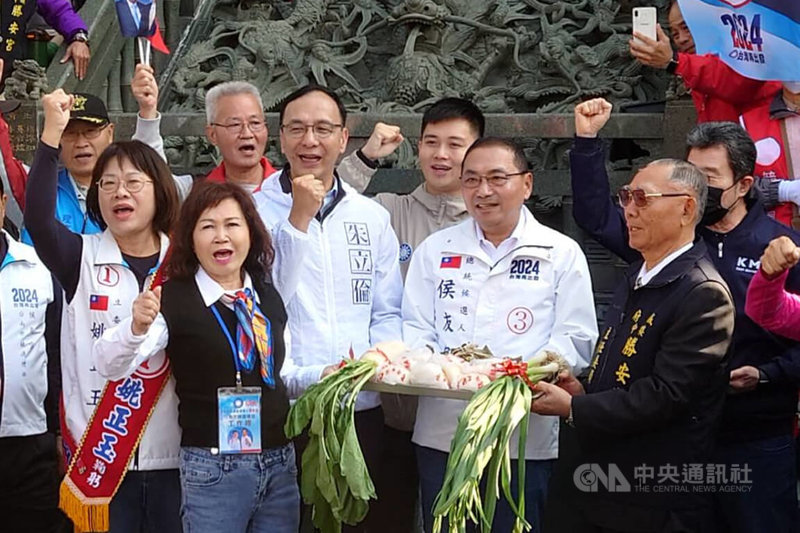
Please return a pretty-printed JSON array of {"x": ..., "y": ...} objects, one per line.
[{"x": 644, "y": 21}]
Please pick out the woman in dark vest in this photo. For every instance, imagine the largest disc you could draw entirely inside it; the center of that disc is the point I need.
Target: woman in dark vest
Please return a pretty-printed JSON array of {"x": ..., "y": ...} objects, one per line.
[{"x": 221, "y": 321}]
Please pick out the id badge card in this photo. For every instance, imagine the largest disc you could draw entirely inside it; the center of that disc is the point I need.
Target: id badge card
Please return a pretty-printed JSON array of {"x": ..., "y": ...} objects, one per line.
[{"x": 239, "y": 419}]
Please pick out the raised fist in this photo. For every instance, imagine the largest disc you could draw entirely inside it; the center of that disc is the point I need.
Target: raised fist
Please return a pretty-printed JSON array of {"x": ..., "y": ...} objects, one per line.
[
  {"x": 384, "y": 140},
  {"x": 307, "y": 195},
  {"x": 781, "y": 254},
  {"x": 56, "y": 106},
  {"x": 146, "y": 307},
  {"x": 591, "y": 116}
]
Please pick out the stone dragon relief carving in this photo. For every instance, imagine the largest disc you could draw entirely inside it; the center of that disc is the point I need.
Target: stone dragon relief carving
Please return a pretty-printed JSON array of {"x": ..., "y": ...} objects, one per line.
[{"x": 508, "y": 56}]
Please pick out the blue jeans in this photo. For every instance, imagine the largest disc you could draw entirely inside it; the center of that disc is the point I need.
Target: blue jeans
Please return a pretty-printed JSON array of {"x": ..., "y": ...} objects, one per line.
[
  {"x": 242, "y": 493},
  {"x": 432, "y": 463},
  {"x": 147, "y": 501},
  {"x": 771, "y": 504}
]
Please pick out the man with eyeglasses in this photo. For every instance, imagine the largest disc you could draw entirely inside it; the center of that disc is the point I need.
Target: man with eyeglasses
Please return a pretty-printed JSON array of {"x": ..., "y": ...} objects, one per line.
[
  {"x": 88, "y": 134},
  {"x": 501, "y": 279},
  {"x": 762, "y": 370},
  {"x": 348, "y": 284},
  {"x": 236, "y": 126}
]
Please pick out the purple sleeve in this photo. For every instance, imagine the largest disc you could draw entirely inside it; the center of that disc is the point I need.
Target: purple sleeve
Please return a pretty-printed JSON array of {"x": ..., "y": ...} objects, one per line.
[{"x": 62, "y": 17}]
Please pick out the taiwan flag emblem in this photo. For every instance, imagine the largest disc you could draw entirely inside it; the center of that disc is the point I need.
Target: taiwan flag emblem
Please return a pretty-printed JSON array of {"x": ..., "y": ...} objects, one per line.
[
  {"x": 98, "y": 302},
  {"x": 451, "y": 261}
]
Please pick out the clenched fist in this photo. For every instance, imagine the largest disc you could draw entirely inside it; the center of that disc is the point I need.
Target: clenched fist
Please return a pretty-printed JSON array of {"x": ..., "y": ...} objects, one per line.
[
  {"x": 146, "y": 307},
  {"x": 384, "y": 140},
  {"x": 145, "y": 90},
  {"x": 591, "y": 116},
  {"x": 56, "y": 106},
  {"x": 307, "y": 195},
  {"x": 781, "y": 254}
]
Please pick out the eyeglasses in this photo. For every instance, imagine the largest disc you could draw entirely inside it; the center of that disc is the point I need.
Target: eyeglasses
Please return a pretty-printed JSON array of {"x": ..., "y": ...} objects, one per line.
[
  {"x": 321, "y": 130},
  {"x": 110, "y": 185},
  {"x": 89, "y": 134},
  {"x": 639, "y": 196},
  {"x": 235, "y": 128},
  {"x": 473, "y": 181}
]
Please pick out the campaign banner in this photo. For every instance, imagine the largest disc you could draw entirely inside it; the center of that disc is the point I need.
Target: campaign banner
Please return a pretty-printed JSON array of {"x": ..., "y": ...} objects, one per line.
[
  {"x": 137, "y": 18},
  {"x": 759, "y": 39}
]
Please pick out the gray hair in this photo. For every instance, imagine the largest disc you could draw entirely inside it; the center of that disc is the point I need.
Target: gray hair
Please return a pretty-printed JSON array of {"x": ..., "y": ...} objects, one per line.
[
  {"x": 229, "y": 88},
  {"x": 691, "y": 177}
]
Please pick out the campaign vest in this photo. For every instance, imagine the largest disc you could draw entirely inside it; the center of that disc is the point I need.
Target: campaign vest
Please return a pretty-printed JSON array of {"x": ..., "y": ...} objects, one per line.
[
  {"x": 771, "y": 158},
  {"x": 26, "y": 289},
  {"x": 103, "y": 298}
]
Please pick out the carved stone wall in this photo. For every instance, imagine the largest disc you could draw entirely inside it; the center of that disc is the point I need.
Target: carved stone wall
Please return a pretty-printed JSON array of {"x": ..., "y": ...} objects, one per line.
[
  {"x": 398, "y": 56},
  {"x": 389, "y": 55}
]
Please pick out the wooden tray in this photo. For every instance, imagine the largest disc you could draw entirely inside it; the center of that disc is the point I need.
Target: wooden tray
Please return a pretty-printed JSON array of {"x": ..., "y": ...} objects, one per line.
[{"x": 413, "y": 390}]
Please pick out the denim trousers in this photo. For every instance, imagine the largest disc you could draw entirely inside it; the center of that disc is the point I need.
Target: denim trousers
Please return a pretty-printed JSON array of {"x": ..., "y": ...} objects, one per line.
[
  {"x": 147, "y": 501},
  {"x": 432, "y": 464},
  {"x": 239, "y": 493}
]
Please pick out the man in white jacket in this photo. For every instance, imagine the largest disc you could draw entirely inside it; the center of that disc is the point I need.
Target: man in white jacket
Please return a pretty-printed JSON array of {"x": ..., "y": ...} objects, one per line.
[
  {"x": 30, "y": 382},
  {"x": 349, "y": 287},
  {"x": 449, "y": 127},
  {"x": 502, "y": 279}
]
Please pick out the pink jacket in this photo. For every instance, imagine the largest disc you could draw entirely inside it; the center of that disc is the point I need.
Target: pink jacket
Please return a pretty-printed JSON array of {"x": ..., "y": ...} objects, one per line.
[{"x": 771, "y": 307}]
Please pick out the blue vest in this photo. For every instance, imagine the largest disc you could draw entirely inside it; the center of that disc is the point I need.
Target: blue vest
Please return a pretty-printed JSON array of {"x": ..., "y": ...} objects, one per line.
[{"x": 68, "y": 209}]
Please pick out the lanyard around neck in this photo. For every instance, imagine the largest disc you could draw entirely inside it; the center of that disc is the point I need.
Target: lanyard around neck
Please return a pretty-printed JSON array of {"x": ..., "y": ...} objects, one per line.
[{"x": 234, "y": 351}]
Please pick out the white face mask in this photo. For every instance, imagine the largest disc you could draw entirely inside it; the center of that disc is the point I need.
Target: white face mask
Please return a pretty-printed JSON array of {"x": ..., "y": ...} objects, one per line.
[{"x": 792, "y": 86}]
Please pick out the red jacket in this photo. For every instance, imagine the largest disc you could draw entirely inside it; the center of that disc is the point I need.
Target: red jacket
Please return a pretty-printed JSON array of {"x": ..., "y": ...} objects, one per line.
[
  {"x": 719, "y": 92},
  {"x": 17, "y": 177},
  {"x": 764, "y": 125},
  {"x": 218, "y": 174}
]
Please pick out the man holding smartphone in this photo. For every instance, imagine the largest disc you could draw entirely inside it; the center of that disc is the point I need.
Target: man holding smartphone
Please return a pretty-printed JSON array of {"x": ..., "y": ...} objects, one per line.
[{"x": 719, "y": 93}]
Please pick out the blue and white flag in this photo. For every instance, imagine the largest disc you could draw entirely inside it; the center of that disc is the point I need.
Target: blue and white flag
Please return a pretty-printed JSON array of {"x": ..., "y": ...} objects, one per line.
[{"x": 759, "y": 39}]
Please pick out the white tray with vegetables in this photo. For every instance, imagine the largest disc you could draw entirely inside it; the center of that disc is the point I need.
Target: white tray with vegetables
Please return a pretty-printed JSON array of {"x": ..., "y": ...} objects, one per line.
[{"x": 334, "y": 478}]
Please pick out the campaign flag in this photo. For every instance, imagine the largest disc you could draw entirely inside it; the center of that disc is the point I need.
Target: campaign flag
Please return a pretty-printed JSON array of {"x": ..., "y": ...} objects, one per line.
[
  {"x": 137, "y": 18},
  {"x": 759, "y": 39},
  {"x": 451, "y": 261},
  {"x": 98, "y": 302}
]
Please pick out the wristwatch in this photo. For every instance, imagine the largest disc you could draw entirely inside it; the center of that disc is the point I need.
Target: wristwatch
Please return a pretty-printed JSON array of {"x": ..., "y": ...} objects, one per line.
[
  {"x": 672, "y": 66},
  {"x": 762, "y": 377},
  {"x": 81, "y": 36},
  {"x": 569, "y": 421}
]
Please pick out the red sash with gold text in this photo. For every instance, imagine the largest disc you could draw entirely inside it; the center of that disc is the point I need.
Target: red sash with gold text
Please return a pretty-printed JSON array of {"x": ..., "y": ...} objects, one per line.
[{"x": 98, "y": 466}]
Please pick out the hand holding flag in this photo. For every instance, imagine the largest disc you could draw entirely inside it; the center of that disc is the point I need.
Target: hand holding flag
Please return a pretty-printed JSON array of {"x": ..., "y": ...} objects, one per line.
[{"x": 137, "y": 18}]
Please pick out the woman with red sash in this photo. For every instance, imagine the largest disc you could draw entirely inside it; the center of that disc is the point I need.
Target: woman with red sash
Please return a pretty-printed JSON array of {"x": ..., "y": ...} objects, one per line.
[
  {"x": 121, "y": 438},
  {"x": 221, "y": 322}
]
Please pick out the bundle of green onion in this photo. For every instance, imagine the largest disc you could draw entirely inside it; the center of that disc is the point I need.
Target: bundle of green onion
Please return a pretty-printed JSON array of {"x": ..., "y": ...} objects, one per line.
[
  {"x": 480, "y": 447},
  {"x": 334, "y": 479}
]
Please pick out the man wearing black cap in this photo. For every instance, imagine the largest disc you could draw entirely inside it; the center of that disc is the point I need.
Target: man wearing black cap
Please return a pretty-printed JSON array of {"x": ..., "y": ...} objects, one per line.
[{"x": 88, "y": 133}]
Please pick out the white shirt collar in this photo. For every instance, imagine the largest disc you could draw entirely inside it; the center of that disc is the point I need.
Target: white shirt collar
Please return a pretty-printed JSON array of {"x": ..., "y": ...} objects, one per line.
[
  {"x": 211, "y": 291},
  {"x": 646, "y": 276},
  {"x": 495, "y": 252}
]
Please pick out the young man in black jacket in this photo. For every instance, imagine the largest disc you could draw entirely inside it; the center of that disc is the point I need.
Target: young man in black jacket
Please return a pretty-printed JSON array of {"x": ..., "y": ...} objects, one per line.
[{"x": 763, "y": 369}]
